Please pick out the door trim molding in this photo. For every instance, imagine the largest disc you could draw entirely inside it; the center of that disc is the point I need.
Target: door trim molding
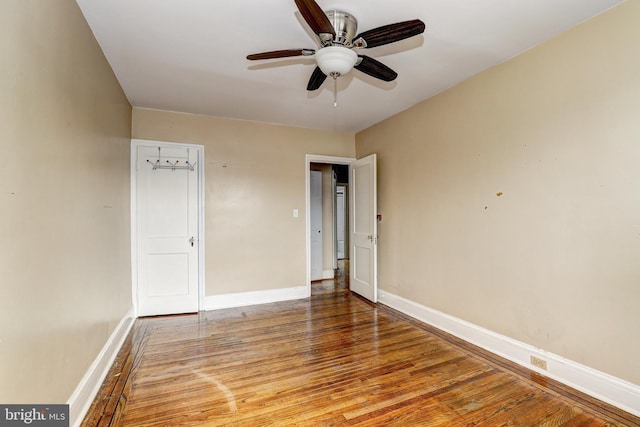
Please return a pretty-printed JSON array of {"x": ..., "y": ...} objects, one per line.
[
  {"x": 135, "y": 143},
  {"x": 315, "y": 158}
]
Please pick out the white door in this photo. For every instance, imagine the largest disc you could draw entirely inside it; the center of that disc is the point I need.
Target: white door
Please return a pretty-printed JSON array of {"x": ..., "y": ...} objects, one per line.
[
  {"x": 364, "y": 228},
  {"x": 316, "y": 224},
  {"x": 167, "y": 230},
  {"x": 341, "y": 221}
]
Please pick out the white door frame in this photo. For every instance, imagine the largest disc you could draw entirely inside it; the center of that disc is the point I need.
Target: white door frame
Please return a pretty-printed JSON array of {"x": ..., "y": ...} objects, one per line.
[
  {"x": 135, "y": 143},
  {"x": 314, "y": 158}
]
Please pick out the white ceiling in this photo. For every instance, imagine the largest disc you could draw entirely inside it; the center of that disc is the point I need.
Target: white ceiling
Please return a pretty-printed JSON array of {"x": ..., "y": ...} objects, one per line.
[{"x": 189, "y": 55}]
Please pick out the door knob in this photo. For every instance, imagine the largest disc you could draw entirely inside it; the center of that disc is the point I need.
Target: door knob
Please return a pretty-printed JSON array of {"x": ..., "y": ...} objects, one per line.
[{"x": 192, "y": 240}]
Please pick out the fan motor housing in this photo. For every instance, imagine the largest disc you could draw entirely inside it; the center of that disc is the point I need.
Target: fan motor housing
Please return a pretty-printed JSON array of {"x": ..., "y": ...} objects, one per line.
[{"x": 345, "y": 25}]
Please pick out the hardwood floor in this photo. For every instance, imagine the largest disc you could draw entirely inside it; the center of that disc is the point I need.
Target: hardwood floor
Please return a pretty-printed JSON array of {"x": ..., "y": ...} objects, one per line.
[{"x": 333, "y": 359}]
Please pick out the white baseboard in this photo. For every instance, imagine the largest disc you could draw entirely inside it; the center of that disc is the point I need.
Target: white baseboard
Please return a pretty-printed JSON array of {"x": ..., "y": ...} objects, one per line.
[
  {"x": 328, "y": 274},
  {"x": 241, "y": 299},
  {"x": 605, "y": 387},
  {"x": 82, "y": 397}
]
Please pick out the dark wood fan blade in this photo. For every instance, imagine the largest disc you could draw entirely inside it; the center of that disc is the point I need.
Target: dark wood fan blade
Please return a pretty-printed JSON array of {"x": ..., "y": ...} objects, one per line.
[
  {"x": 315, "y": 17},
  {"x": 376, "y": 69},
  {"x": 316, "y": 80},
  {"x": 277, "y": 54},
  {"x": 391, "y": 33}
]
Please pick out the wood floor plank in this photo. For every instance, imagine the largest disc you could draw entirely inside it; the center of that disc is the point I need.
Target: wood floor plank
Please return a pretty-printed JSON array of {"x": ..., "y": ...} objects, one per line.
[{"x": 330, "y": 360}]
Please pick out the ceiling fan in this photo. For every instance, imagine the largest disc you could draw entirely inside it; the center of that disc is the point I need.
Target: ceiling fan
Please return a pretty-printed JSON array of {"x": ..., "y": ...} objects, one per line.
[{"x": 337, "y": 33}]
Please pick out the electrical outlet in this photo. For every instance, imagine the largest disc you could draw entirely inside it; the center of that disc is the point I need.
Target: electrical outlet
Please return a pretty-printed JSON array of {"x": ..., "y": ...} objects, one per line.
[{"x": 539, "y": 363}]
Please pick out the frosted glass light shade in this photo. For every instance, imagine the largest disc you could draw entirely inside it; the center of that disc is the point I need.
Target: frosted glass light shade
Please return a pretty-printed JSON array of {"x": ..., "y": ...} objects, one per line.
[{"x": 336, "y": 59}]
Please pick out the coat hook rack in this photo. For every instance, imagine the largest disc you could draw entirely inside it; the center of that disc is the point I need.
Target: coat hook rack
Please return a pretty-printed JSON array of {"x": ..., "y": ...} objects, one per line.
[{"x": 172, "y": 165}]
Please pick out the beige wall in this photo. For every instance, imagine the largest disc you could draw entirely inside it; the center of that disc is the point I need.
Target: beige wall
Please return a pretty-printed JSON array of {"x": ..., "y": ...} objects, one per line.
[
  {"x": 254, "y": 178},
  {"x": 512, "y": 200},
  {"x": 64, "y": 196}
]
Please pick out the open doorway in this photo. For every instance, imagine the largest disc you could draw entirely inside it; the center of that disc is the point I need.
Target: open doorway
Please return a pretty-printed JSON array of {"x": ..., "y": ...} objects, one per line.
[
  {"x": 325, "y": 225},
  {"x": 362, "y": 223},
  {"x": 329, "y": 227},
  {"x": 328, "y": 214}
]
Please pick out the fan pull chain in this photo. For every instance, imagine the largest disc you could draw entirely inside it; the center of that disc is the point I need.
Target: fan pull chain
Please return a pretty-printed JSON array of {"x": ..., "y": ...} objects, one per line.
[{"x": 335, "y": 88}]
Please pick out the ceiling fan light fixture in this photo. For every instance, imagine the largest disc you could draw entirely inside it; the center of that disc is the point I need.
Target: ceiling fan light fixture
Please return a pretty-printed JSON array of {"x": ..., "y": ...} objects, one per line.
[
  {"x": 336, "y": 60},
  {"x": 337, "y": 32}
]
